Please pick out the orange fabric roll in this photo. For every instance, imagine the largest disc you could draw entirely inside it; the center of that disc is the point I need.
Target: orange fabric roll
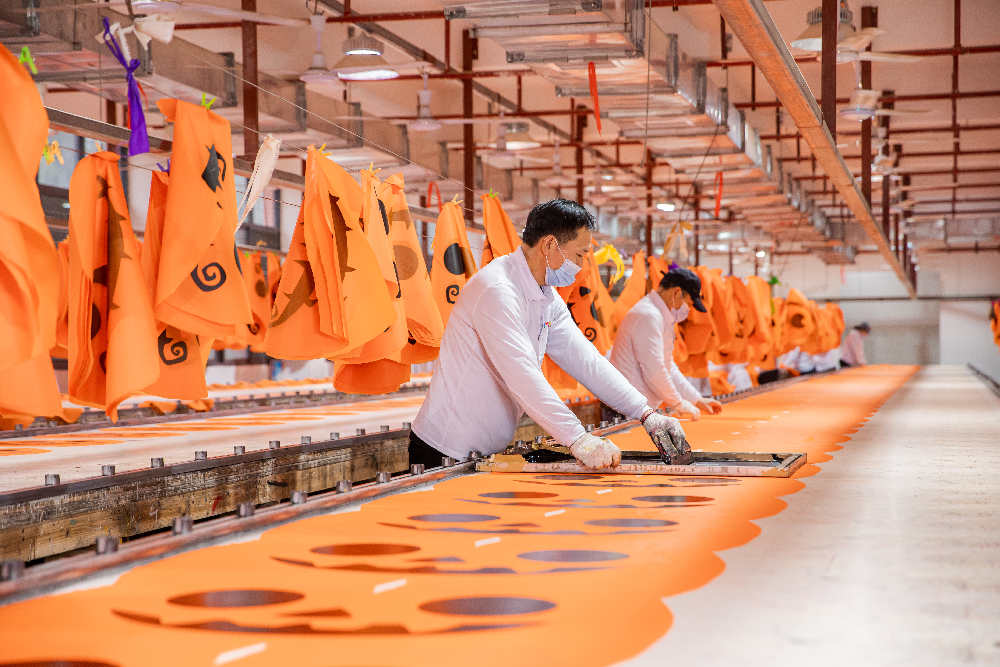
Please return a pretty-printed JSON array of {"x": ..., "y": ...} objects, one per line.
[
  {"x": 453, "y": 264},
  {"x": 423, "y": 319},
  {"x": 199, "y": 287},
  {"x": 112, "y": 330},
  {"x": 29, "y": 263},
  {"x": 182, "y": 355},
  {"x": 501, "y": 237},
  {"x": 331, "y": 298}
]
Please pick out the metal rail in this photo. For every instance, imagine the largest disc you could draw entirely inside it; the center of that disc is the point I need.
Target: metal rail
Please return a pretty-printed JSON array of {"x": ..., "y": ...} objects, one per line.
[{"x": 990, "y": 383}]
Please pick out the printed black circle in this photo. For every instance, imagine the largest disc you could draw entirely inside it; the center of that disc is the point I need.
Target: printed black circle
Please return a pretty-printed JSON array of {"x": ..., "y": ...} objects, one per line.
[
  {"x": 517, "y": 494},
  {"x": 487, "y": 606},
  {"x": 683, "y": 500},
  {"x": 572, "y": 556},
  {"x": 235, "y": 598},
  {"x": 365, "y": 549},
  {"x": 453, "y": 518},
  {"x": 453, "y": 260},
  {"x": 631, "y": 523}
]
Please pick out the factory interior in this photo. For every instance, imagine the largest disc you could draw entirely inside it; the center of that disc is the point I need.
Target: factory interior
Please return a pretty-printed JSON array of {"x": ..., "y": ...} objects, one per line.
[{"x": 270, "y": 386}]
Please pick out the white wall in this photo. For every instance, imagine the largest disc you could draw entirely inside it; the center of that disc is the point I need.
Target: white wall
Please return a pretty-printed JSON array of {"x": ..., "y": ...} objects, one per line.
[{"x": 966, "y": 337}]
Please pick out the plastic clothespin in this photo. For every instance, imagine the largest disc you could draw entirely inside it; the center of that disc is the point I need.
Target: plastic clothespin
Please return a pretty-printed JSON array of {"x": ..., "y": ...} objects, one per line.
[
  {"x": 26, "y": 58},
  {"x": 493, "y": 194},
  {"x": 207, "y": 103},
  {"x": 456, "y": 200},
  {"x": 52, "y": 152},
  {"x": 162, "y": 168}
]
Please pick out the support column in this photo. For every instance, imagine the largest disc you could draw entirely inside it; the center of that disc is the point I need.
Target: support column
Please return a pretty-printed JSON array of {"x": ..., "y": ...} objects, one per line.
[
  {"x": 649, "y": 203},
  {"x": 828, "y": 64},
  {"x": 886, "y": 181},
  {"x": 697, "y": 214},
  {"x": 469, "y": 54},
  {"x": 251, "y": 114},
  {"x": 579, "y": 122},
  {"x": 869, "y": 19}
]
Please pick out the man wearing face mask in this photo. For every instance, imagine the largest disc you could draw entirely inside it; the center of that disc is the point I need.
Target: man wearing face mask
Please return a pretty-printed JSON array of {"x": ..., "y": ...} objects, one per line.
[
  {"x": 644, "y": 346},
  {"x": 507, "y": 318}
]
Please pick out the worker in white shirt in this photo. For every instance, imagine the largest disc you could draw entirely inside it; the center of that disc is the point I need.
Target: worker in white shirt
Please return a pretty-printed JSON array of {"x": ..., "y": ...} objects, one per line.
[
  {"x": 488, "y": 373},
  {"x": 644, "y": 345},
  {"x": 852, "y": 352}
]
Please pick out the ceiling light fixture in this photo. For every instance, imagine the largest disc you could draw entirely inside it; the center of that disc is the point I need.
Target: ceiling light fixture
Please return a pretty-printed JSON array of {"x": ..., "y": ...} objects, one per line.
[
  {"x": 811, "y": 38},
  {"x": 666, "y": 206},
  {"x": 515, "y": 137},
  {"x": 363, "y": 60}
]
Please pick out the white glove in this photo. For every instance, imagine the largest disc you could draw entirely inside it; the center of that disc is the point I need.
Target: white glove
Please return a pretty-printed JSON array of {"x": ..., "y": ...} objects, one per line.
[
  {"x": 686, "y": 408},
  {"x": 595, "y": 452},
  {"x": 668, "y": 436},
  {"x": 710, "y": 405}
]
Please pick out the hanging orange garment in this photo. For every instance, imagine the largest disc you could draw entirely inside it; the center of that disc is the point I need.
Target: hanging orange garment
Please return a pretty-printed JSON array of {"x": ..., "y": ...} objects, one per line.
[
  {"x": 658, "y": 268},
  {"x": 182, "y": 356},
  {"x": 836, "y": 319},
  {"x": 557, "y": 377},
  {"x": 59, "y": 350},
  {"x": 452, "y": 265},
  {"x": 722, "y": 311},
  {"x": 377, "y": 367},
  {"x": 199, "y": 288},
  {"x": 603, "y": 303},
  {"x": 423, "y": 319},
  {"x": 331, "y": 298},
  {"x": 580, "y": 299},
  {"x": 112, "y": 330},
  {"x": 501, "y": 237},
  {"x": 760, "y": 296},
  {"x": 799, "y": 322},
  {"x": 698, "y": 330},
  {"x": 777, "y": 334},
  {"x": 680, "y": 347},
  {"x": 745, "y": 316},
  {"x": 995, "y": 322},
  {"x": 267, "y": 266},
  {"x": 635, "y": 289},
  {"x": 29, "y": 263}
]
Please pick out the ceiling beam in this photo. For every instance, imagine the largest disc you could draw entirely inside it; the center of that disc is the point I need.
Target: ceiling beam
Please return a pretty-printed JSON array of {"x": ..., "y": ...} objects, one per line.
[
  {"x": 919, "y": 97},
  {"x": 970, "y": 127}
]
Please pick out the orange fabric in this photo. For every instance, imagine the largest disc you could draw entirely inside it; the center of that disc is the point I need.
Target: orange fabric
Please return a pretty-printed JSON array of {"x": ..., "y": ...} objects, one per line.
[
  {"x": 59, "y": 350},
  {"x": 719, "y": 382},
  {"x": 657, "y": 269},
  {"x": 799, "y": 321},
  {"x": 261, "y": 271},
  {"x": 199, "y": 288},
  {"x": 635, "y": 289},
  {"x": 501, "y": 237},
  {"x": 29, "y": 263},
  {"x": 112, "y": 330},
  {"x": 320, "y": 602},
  {"x": 698, "y": 330},
  {"x": 377, "y": 367},
  {"x": 557, "y": 377},
  {"x": 580, "y": 299},
  {"x": 453, "y": 264},
  {"x": 331, "y": 298},
  {"x": 423, "y": 319},
  {"x": 995, "y": 322},
  {"x": 722, "y": 310},
  {"x": 182, "y": 356}
]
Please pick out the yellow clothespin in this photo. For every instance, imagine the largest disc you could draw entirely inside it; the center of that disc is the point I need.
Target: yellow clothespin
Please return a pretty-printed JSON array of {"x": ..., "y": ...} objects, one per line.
[
  {"x": 456, "y": 200},
  {"x": 26, "y": 58},
  {"x": 52, "y": 152},
  {"x": 207, "y": 103}
]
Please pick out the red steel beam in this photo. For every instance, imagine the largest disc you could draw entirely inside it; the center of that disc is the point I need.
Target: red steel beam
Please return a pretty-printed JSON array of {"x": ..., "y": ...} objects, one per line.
[
  {"x": 353, "y": 18},
  {"x": 972, "y": 127},
  {"x": 251, "y": 115},
  {"x": 828, "y": 64}
]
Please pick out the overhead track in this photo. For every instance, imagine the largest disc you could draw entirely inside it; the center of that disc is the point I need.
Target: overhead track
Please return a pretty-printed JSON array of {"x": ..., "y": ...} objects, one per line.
[{"x": 752, "y": 23}]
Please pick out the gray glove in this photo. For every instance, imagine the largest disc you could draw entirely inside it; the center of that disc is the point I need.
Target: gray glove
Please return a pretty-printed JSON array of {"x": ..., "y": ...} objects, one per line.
[
  {"x": 595, "y": 452},
  {"x": 668, "y": 436}
]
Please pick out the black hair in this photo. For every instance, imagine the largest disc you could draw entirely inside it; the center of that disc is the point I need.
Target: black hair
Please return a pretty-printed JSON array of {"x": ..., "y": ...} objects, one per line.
[
  {"x": 863, "y": 327},
  {"x": 562, "y": 218}
]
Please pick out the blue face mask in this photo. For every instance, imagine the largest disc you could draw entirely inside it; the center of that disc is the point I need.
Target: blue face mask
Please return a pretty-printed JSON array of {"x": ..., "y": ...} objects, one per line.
[{"x": 564, "y": 276}]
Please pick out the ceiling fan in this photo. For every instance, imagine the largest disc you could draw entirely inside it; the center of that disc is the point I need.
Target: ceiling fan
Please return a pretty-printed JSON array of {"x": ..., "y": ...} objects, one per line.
[
  {"x": 851, "y": 43},
  {"x": 864, "y": 105}
]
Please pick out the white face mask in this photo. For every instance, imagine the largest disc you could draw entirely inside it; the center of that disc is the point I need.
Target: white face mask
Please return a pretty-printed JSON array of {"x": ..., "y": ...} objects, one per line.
[
  {"x": 565, "y": 275},
  {"x": 680, "y": 314}
]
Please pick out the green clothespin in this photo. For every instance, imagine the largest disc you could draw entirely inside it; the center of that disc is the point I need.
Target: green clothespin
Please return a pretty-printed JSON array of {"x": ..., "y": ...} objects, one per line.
[
  {"x": 26, "y": 58},
  {"x": 207, "y": 103},
  {"x": 493, "y": 194},
  {"x": 773, "y": 280}
]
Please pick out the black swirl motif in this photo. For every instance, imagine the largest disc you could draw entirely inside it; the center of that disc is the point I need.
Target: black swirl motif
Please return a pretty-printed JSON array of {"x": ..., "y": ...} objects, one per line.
[
  {"x": 212, "y": 277},
  {"x": 178, "y": 349},
  {"x": 590, "y": 333},
  {"x": 451, "y": 293}
]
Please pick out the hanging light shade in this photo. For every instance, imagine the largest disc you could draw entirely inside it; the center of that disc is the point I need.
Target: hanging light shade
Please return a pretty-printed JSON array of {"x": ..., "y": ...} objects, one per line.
[
  {"x": 425, "y": 121},
  {"x": 515, "y": 137},
  {"x": 811, "y": 38},
  {"x": 363, "y": 60}
]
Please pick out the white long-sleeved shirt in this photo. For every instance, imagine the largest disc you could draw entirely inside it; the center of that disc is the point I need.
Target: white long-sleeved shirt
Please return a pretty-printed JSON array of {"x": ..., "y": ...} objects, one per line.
[
  {"x": 853, "y": 349},
  {"x": 488, "y": 372},
  {"x": 644, "y": 353}
]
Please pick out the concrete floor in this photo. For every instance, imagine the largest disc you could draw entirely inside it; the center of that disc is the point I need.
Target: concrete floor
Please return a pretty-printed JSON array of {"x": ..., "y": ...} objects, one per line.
[{"x": 890, "y": 556}]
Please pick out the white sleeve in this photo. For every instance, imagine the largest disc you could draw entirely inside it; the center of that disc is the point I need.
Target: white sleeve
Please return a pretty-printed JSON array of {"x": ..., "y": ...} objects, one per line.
[
  {"x": 569, "y": 348},
  {"x": 513, "y": 356},
  {"x": 684, "y": 387},
  {"x": 859, "y": 350}
]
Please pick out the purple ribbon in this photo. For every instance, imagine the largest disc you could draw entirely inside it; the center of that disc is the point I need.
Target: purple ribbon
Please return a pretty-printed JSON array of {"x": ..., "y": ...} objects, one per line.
[
  {"x": 139, "y": 139},
  {"x": 674, "y": 265}
]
